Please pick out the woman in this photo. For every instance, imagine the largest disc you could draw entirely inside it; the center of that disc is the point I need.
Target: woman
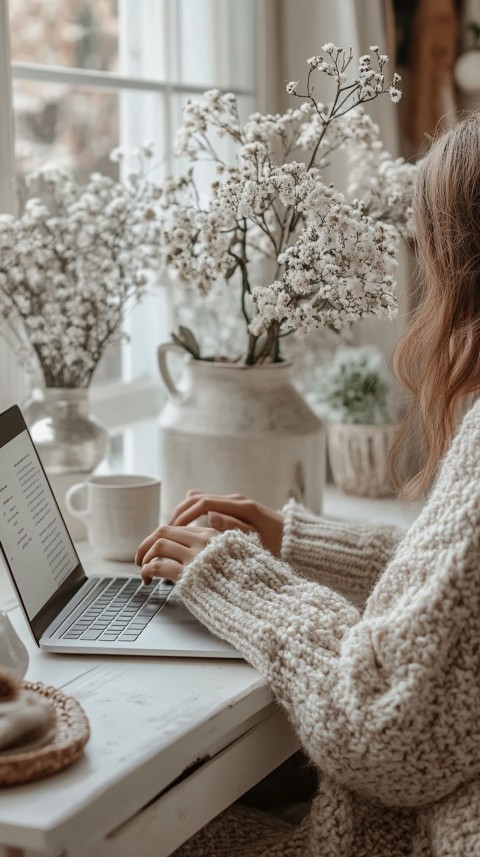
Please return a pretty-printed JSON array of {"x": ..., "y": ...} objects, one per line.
[{"x": 385, "y": 698}]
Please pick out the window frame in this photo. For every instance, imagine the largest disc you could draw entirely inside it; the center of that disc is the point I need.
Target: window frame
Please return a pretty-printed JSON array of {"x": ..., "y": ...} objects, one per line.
[{"x": 120, "y": 403}]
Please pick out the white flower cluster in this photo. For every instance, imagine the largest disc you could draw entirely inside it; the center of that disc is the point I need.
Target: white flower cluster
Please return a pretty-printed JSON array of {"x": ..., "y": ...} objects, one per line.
[
  {"x": 340, "y": 269},
  {"x": 72, "y": 264},
  {"x": 383, "y": 183},
  {"x": 300, "y": 253},
  {"x": 368, "y": 83}
]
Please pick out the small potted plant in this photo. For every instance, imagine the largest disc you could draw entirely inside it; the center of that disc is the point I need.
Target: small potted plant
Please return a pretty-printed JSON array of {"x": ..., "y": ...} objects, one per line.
[{"x": 355, "y": 398}]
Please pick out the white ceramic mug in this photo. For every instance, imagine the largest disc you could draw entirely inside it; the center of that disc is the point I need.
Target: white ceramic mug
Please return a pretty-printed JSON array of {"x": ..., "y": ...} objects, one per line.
[{"x": 119, "y": 511}]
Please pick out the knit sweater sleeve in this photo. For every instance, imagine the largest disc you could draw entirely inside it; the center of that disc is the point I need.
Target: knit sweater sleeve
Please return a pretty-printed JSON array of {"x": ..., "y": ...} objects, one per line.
[
  {"x": 385, "y": 703},
  {"x": 346, "y": 556}
]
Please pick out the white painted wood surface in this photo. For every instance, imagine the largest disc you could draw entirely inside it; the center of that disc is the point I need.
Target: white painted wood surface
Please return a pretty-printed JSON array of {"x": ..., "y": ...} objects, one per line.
[
  {"x": 151, "y": 720},
  {"x": 204, "y": 794}
]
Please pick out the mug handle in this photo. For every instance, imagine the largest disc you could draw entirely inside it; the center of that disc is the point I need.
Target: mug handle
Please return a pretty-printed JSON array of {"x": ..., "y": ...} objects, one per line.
[
  {"x": 176, "y": 394},
  {"x": 75, "y": 491}
]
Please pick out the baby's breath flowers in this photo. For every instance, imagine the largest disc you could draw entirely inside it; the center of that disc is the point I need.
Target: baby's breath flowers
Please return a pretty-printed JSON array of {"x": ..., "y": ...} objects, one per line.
[
  {"x": 384, "y": 184},
  {"x": 302, "y": 254},
  {"x": 72, "y": 264}
]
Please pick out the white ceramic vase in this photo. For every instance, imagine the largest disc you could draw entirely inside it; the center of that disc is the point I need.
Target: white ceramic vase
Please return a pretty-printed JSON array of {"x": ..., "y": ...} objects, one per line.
[{"x": 229, "y": 428}]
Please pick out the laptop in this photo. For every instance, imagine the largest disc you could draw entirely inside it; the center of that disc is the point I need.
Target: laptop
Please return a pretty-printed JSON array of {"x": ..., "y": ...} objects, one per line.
[{"x": 66, "y": 610}]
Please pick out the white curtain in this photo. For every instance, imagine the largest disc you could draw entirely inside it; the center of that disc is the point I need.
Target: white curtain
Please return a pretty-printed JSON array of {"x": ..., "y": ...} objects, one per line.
[{"x": 289, "y": 31}]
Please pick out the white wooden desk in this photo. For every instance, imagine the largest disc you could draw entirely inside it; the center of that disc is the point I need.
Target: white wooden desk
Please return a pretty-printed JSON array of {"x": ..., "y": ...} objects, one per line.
[{"x": 173, "y": 741}]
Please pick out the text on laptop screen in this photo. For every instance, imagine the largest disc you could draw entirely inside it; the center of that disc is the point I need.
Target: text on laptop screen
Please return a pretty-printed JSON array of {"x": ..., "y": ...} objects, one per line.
[{"x": 34, "y": 537}]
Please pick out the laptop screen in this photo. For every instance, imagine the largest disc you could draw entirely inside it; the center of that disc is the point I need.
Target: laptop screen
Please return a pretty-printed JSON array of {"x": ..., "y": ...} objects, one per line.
[{"x": 34, "y": 539}]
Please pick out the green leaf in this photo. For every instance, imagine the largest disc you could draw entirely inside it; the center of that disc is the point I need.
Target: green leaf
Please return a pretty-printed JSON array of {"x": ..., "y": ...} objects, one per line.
[
  {"x": 474, "y": 28},
  {"x": 187, "y": 340},
  {"x": 230, "y": 272}
]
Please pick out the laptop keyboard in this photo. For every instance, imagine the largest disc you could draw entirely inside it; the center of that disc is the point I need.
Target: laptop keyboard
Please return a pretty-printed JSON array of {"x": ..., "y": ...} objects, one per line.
[{"x": 119, "y": 609}]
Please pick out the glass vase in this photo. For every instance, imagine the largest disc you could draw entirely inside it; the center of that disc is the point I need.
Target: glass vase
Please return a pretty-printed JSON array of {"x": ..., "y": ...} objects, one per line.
[{"x": 70, "y": 443}]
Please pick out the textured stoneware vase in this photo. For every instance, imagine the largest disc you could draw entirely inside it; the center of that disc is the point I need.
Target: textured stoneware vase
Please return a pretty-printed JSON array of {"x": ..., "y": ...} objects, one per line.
[
  {"x": 229, "y": 428},
  {"x": 70, "y": 444}
]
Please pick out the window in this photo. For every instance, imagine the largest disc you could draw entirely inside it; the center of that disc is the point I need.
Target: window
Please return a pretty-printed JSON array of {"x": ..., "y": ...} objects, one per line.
[{"x": 88, "y": 75}]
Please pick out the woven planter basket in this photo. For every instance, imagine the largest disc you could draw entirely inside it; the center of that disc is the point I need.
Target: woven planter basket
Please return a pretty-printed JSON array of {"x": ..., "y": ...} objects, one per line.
[{"x": 358, "y": 457}]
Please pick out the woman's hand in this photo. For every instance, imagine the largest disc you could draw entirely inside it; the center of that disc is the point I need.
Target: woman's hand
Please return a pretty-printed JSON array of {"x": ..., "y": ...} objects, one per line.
[
  {"x": 167, "y": 551},
  {"x": 232, "y": 512}
]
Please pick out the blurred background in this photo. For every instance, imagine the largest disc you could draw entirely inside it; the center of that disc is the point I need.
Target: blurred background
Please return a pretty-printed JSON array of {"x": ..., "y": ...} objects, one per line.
[{"x": 81, "y": 77}]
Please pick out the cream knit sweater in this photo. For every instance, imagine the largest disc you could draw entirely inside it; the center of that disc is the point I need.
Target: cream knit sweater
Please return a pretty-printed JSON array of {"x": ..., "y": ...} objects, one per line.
[{"x": 386, "y": 701}]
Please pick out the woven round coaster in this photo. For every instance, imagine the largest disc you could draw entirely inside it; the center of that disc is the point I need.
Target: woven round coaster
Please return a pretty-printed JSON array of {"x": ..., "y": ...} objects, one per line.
[{"x": 68, "y": 738}]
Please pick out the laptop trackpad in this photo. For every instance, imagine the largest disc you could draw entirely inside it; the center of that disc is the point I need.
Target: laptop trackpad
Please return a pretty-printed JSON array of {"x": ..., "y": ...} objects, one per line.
[{"x": 174, "y": 611}]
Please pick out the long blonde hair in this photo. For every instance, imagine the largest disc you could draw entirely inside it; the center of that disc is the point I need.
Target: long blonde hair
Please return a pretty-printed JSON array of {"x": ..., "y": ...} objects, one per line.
[{"x": 438, "y": 358}]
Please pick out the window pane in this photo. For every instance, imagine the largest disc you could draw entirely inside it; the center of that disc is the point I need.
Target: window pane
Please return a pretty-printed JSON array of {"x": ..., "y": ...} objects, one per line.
[
  {"x": 242, "y": 52},
  {"x": 110, "y": 367},
  {"x": 145, "y": 39},
  {"x": 65, "y": 32},
  {"x": 225, "y": 148},
  {"x": 218, "y": 37},
  {"x": 75, "y": 128},
  {"x": 213, "y": 41},
  {"x": 148, "y": 325},
  {"x": 210, "y": 43}
]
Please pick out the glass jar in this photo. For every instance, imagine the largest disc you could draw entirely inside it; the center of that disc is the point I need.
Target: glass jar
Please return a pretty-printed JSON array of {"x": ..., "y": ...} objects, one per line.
[
  {"x": 67, "y": 437},
  {"x": 70, "y": 443}
]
